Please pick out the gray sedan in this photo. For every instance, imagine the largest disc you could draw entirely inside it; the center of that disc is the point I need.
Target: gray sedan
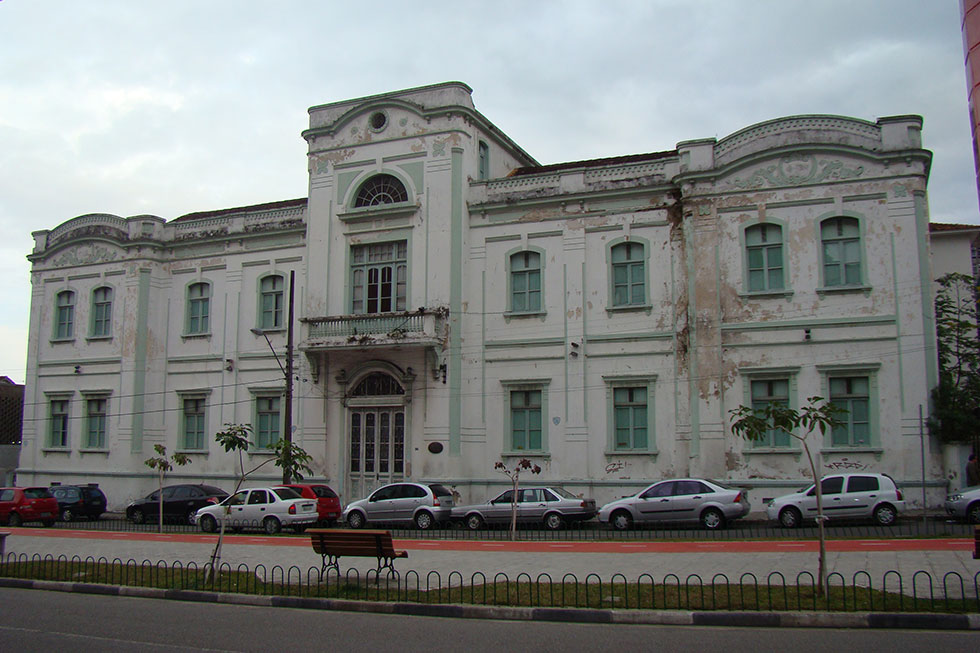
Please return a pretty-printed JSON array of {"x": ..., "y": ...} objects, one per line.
[
  {"x": 678, "y": 500},
  {"x": 965, "y": 504},
  {"x": 551, "y": 506}
]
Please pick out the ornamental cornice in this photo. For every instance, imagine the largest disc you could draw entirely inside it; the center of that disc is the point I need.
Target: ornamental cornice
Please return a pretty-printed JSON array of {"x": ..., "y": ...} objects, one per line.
[
  {"x": 824, "y": 126},
  {"x": 796, "y": 170}
]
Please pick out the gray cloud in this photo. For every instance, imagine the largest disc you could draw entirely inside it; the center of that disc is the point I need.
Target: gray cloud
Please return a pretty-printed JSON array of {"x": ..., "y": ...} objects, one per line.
[{"x": 167, "y": 108}]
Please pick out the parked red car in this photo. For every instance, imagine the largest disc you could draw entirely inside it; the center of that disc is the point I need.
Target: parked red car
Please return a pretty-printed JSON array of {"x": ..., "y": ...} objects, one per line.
[
  {"x": 327, "y": 502},
  {"x": 24, "y": 504}
]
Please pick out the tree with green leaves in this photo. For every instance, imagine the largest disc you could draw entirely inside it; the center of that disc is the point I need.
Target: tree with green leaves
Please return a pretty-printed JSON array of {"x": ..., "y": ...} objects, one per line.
[
  {"x": 163, "y": 464},
  {"x": 956, "y": 400},
  {"x": 819, "y": 414},
  {"x": 515, "y": 475},
  {"x": 288, "y": 456}
]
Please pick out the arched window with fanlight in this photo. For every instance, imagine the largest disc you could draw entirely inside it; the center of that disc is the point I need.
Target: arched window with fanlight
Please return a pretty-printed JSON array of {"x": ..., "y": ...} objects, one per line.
[{"x": 380, "y": 189}]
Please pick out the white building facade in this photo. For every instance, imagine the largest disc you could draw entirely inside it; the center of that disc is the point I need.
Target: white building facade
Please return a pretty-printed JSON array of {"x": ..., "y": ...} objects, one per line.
[{"x": 458, "y": 304}]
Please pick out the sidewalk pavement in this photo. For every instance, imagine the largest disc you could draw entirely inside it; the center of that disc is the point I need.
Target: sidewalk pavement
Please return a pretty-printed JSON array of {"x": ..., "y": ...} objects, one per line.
[{"x": 436, "y": 560}]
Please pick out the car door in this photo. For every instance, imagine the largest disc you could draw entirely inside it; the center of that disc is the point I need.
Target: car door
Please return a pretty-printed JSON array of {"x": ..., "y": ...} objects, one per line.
[
  {"x": 686, "y": 501},
  {"x": 181, "y": 502},
  {"x": 832, "y": 489},
  {"x": 532, "y": 505},
  {"x": 860, "y": 496},
  {"x": 168, "y": 497},
  {"x": 380, "y": 505},
  {"x": 7, "y": 497},
  {"x": 257, "y": 507},
  {"x": 236, "y": 507},
  {"x": 498, "y": 510},
  {"x": 407, "y": 499},
  {"x": 654, "y": 504}
]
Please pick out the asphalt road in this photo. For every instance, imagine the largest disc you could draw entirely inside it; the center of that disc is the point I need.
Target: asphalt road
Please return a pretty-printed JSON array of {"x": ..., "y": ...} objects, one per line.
[{"x": 43, "y": 621}]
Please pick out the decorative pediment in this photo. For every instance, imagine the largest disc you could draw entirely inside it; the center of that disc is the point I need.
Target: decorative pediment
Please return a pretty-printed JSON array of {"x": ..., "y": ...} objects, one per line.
[
  {"x": 86, "y": 255},
  {"x": 797, "y": 170}
]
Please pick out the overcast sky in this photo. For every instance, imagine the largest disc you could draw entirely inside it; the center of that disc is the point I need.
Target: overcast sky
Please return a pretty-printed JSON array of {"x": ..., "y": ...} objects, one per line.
[{"x": 126, "y": 107}]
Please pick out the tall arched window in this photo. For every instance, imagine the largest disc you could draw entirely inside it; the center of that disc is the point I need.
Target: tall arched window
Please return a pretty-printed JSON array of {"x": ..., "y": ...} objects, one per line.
[
  {"x": 525, "y": 282},
  {"x": 840, "y": 238},
  {"x": 65, "y": 315},
  {"x": 271, "y": 302},
  {"x": 381, "y": 189},
  {"x": 102, "y": 312},
  {"x": 628, "y": 274},
  {"x": 198, "y": 308},
  {"x": 764, "y": 254}
]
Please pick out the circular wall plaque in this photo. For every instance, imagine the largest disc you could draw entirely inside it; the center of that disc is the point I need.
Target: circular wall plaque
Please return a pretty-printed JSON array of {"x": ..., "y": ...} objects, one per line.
[{"x": 435, "y": 447}]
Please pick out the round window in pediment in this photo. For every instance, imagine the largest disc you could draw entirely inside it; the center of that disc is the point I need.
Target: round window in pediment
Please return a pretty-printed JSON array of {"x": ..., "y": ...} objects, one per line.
[{"x": 378, "y": 120}]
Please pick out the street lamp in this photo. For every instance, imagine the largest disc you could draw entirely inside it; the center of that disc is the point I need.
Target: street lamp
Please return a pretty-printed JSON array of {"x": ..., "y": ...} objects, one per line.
[{"x": 287, "y": 372}]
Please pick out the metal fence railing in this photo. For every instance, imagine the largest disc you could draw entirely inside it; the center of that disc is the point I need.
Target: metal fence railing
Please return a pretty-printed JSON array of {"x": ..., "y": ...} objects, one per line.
[
  {"x": 894, "y": 591},
  {"x": 585, "y": 531}
]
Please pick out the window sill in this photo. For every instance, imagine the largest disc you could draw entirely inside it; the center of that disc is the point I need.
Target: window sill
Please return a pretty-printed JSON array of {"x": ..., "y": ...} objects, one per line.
[
  {"x": 525, "y": 454},
  {"x": 771, "y": 450},
  {"x": 631, "y": 308},
  {"x": 196, "y": 336},
  {"x": 509, "y": 315},
  {"x": 97, "y": 338},
  {"x": 631, "y": 452},
  {"x": 856, "y": 449},
  {"x": 766, "y": 294},
  {"x": 268, "y": 330},
  {"x": 261, "y": 452},
  {"x": 833, "y": 290},
  {"x": 379, "y": 211},
  {"x": 56, "y": 450},
  {"x": 58, "y": 341},
  {"x": 91, "y": 450},
  {"x": 196, "y": 452}
]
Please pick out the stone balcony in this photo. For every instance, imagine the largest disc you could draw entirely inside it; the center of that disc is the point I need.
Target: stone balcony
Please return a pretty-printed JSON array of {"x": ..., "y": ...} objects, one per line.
[{"x": 410, "y": 329}]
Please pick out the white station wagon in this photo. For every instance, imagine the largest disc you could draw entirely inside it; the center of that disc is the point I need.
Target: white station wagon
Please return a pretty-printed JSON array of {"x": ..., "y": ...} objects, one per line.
[{"x": 845, "y": 496}]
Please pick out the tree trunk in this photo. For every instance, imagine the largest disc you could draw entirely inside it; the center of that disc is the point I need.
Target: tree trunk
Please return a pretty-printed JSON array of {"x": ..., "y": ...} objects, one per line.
[
  {"x": 513, "y": 511},
  {"x": 822, "y": 565}
]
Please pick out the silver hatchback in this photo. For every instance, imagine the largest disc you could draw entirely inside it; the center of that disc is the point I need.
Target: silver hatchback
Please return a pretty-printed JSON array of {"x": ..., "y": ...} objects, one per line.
[
  {"x": 424, "y": 504},
  {"x": 679, "y": 500}
]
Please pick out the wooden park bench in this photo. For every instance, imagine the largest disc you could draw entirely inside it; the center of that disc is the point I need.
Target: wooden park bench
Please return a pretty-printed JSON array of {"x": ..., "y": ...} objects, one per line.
[{"x": 332, "y": 543}]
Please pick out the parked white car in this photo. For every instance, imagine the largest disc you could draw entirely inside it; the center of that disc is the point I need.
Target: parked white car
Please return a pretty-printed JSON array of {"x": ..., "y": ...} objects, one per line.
[
  {"x": 268, "y": 508},
  {"x": 845, "y": 496},
  {"x": 965, "y": 504}
]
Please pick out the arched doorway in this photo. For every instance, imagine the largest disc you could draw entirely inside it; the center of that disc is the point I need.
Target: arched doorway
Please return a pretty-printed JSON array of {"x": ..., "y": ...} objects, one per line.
[{"x": 376, "y": 433}]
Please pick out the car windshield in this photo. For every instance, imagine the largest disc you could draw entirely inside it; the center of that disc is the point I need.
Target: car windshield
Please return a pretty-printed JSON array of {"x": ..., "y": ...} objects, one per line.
[
  {"x": 210, "y": 489},
  {"x": 287, "y": 493},
  {"x": 563, "y": 493},
  {"x": 324, "y": 492}
]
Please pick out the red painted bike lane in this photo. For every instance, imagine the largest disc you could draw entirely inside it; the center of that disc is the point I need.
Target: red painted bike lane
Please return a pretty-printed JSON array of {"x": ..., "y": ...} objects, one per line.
[{"x": 636, "y": 546}]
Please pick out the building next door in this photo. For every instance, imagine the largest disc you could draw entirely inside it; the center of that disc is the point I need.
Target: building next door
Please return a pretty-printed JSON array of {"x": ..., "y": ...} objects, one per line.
[{"x": 376, "y": 434}]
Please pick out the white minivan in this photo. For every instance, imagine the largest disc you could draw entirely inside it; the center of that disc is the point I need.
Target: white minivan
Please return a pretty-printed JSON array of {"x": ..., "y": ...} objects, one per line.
[{"x": 845, "y": 496}]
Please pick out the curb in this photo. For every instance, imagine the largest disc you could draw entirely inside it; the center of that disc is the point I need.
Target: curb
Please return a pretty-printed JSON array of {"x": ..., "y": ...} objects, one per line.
[{"x": 900, "y": 620}]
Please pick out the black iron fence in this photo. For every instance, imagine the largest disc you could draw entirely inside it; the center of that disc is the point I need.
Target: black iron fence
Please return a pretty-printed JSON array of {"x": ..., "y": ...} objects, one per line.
[
  {"x": 920, "y": 591},
  {"x": 581, "y": 531}
]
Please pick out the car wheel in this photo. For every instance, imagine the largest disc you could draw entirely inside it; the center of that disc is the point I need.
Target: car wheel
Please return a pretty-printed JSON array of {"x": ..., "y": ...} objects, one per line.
[
  {"x": 474, "y": 522},
  {"x": 973, "y": 513},
  {"x": 424, "y": 521},
  {"x": 885, "y": 515},
  {"x": 208, "y": 524},
  {"x": 271, "y": 525},
  {"x": 137, "y": 517},
  {"x": 14, "y": 520},
  {"x": 47, "y": 523},
  {"x": 790, "y": 517},
  {"x": 355, "y": 520},
  {"x": 553, "y": 521},
  {"x": 67, "y": 515},
  {"x": 190, "y": 516},
  {"x": 712, "y": 519},
  {"x": 621, "y": 520}
]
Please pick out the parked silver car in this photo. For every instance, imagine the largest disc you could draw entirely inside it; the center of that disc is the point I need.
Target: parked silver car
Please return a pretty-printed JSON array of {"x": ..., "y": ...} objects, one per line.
[
  {"x": 424, "y": 504},
  {"x": 845, "y": 496},
  {"x": 551, "y": 506},
  {"x": 268, "y": 508},
  {"x": 965, "y": 504},
  {"x": 678, "y": 500}
]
